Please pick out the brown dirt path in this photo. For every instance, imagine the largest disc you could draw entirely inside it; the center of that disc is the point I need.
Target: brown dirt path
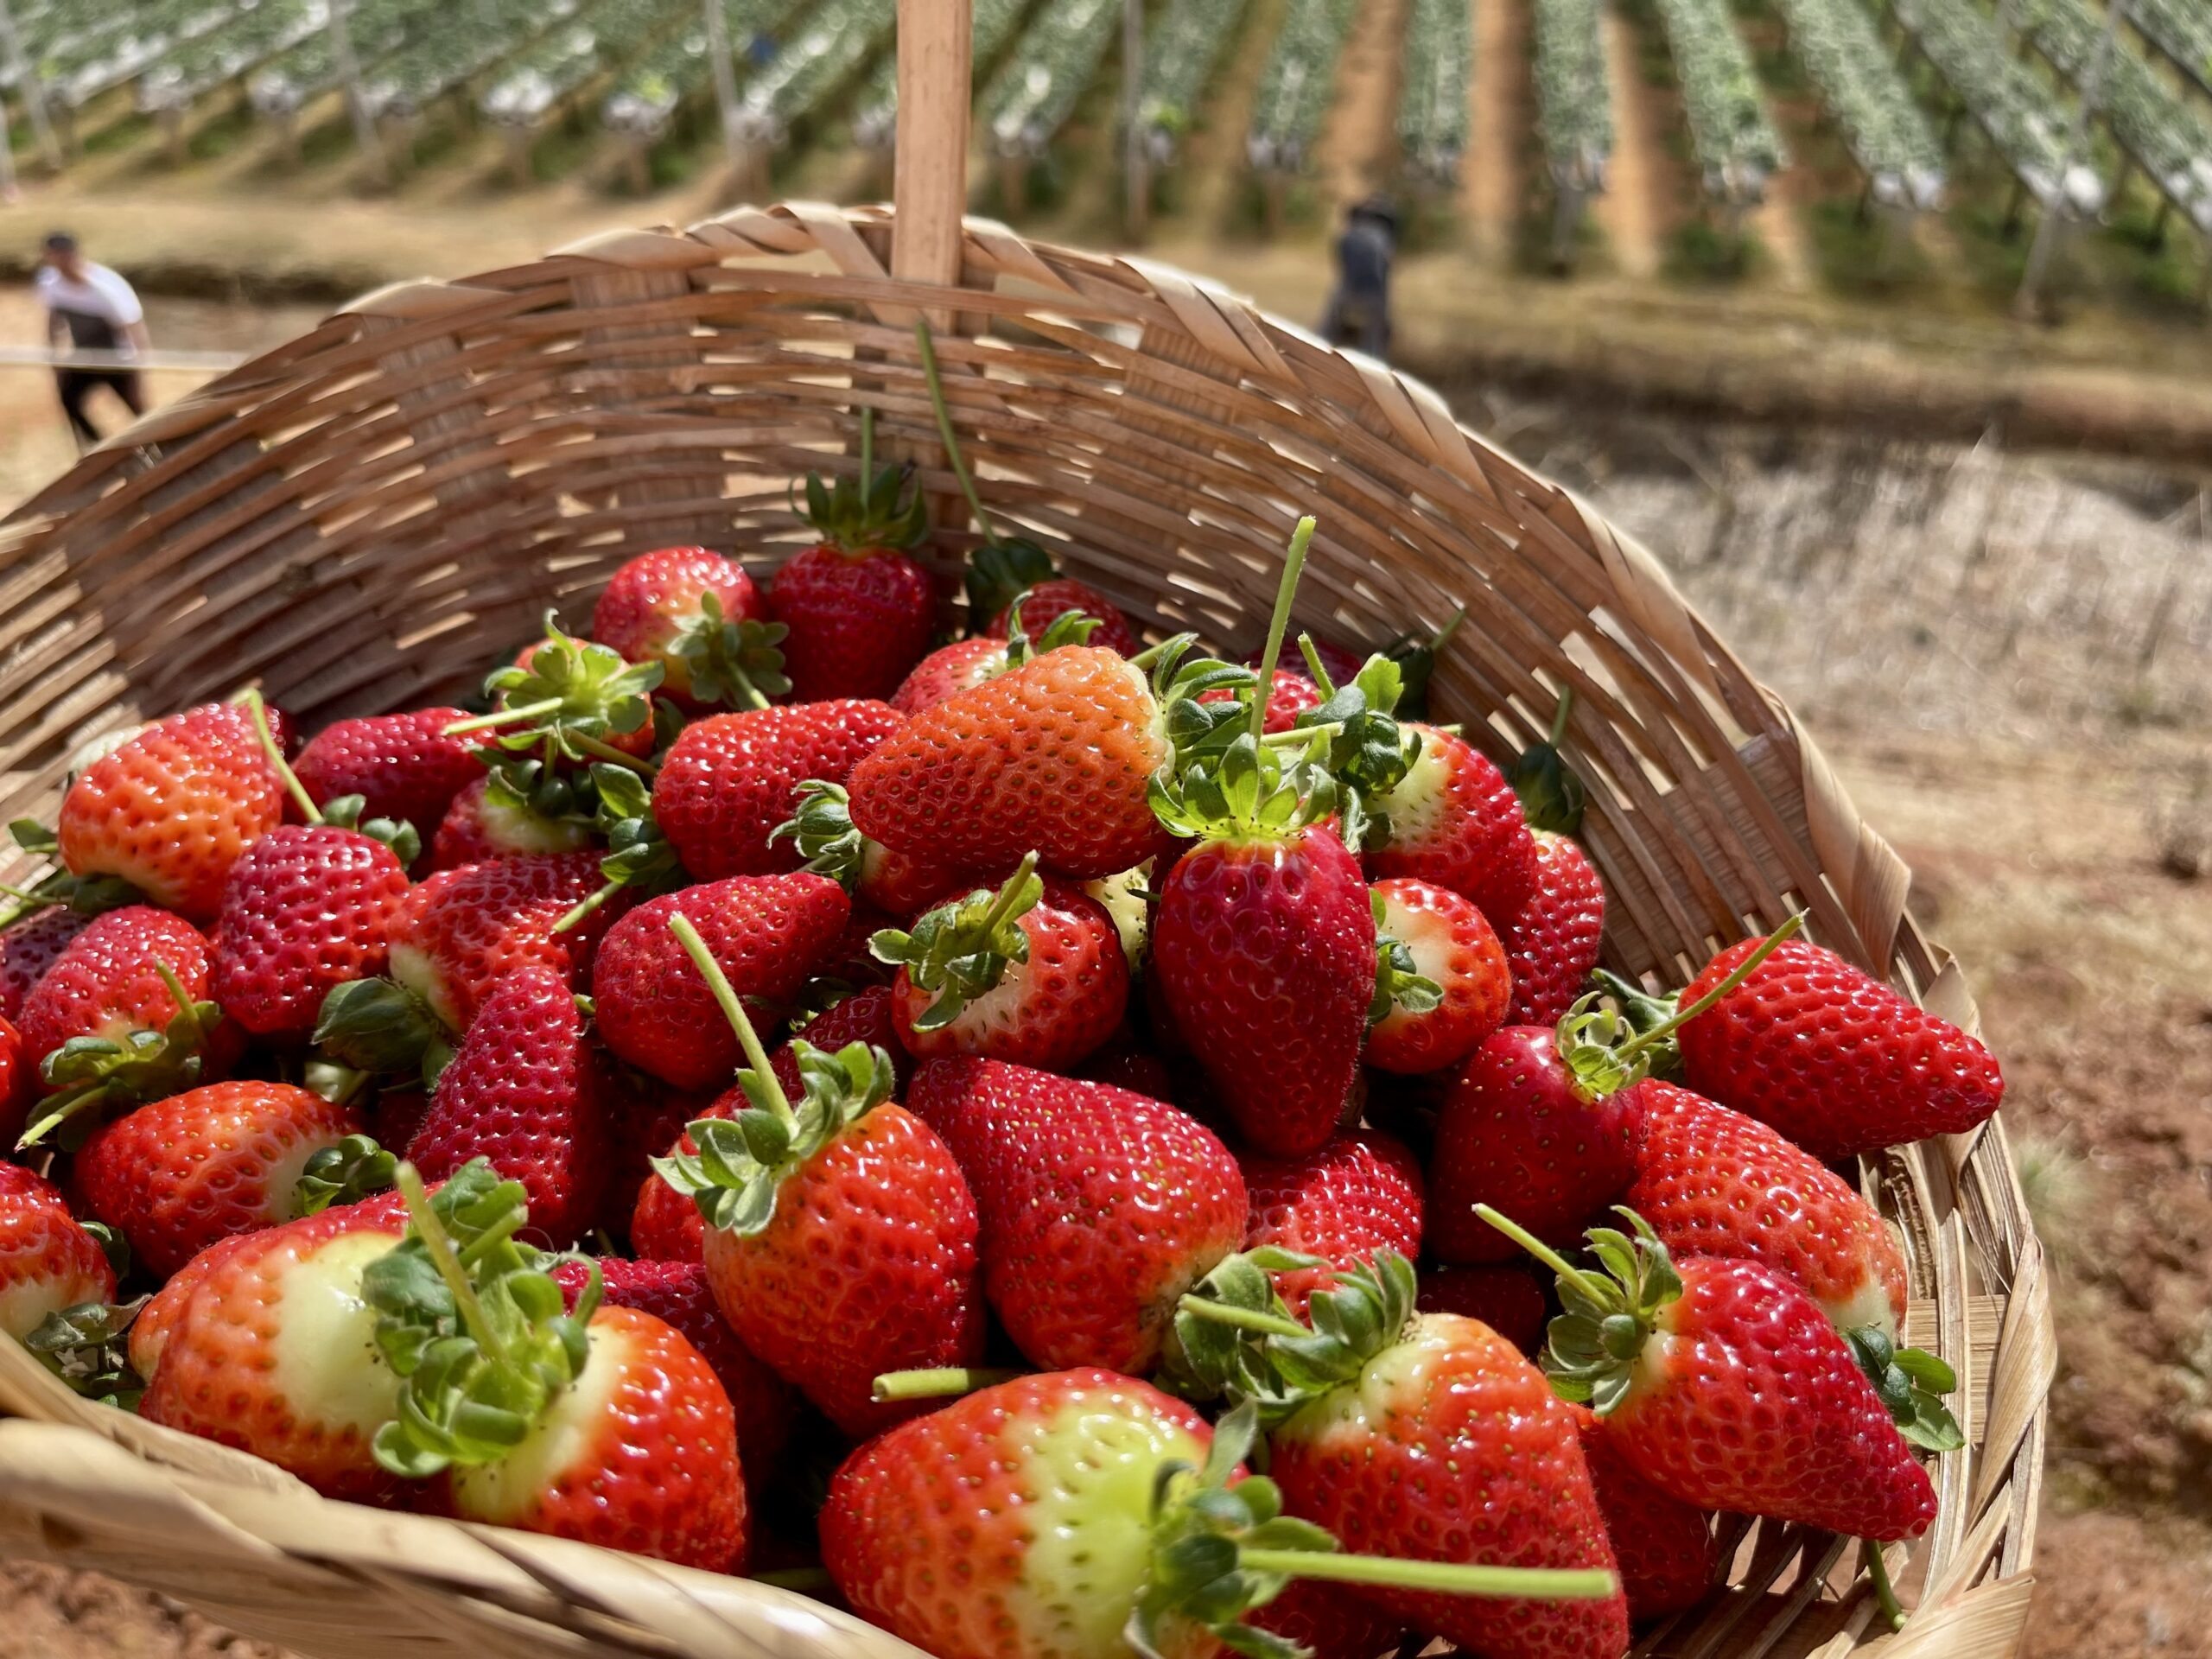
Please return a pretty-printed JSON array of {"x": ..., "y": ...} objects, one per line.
[
  {"x": 1500, "y": 114},
  {"x": 1637, "y": 211},
  {"x": 1358, "y": 150}
]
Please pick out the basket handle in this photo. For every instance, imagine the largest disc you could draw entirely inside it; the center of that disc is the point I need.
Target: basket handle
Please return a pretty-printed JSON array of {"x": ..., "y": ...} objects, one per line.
[{"x": 930, "y": 169}]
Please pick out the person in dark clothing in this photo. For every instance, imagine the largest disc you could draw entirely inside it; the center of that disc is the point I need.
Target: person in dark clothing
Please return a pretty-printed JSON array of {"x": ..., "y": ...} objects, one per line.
[
  {"x": 93, "y": 309},
  {"x": 1360, "y": 309}
]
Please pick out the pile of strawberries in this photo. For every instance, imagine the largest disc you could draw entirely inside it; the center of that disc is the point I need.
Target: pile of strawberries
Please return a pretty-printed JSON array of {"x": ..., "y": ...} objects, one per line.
[{"x": 951, "y": 1127}]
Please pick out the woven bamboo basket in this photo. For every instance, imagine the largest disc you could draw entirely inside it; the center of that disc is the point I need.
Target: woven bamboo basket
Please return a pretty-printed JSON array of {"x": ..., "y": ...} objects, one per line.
[{"x": 361, "y": 518}]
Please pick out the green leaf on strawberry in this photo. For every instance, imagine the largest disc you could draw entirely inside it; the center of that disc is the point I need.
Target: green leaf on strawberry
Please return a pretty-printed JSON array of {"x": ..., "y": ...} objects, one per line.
[
  {"x": 87, "y": 1347},
  {"x": 1909, "y": 1381},
  {"x": 731, "y": 665},
  {"x": 960, "y": 951},
  {"x": 1369, "y": 752},
  {"x": 344, "y": 812},
  {"x": 1552, "y": 796},
  {"x": 821, "y": 827},
  {"x": 1399, "y": 981},
  {"x": 1000, "y": 571},
  {"x": 88, "y": 895},
  {"x": 92, "y": 1076},
  {"x": 639, "y": 855},
  {"x": 380, "y": 1028},
  {"x": 345, "y": 1173},
  {"x": 866, "y": 513},
  {"x": 573, "y": 697}
]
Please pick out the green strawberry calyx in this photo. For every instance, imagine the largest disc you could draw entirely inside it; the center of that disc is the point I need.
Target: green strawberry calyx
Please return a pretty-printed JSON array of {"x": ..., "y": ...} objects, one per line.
[
  {"x": 960, "y": 951},
  {"x": 342, "y": 1174},
  {"x": 472, "y": 1321},
  {"x": 732, "y": 665},
  {"x": 1415, "y": 657},
  {"x": 1001, "y": 570},
  {"x": 1552, "y": 796},
  {"x": 821, "y": 827},
  {"x": 1068, "y": 628},
  {"x": 87, "y": 1347},
  {"x": 638, "y": 855},
  {"x": 742, "y": 1162},
  {"x": 575, "y": 694},
  {"x": 1368, "y": 750},
  {"x": 1910, "y": 1382},
  {"x": 90, "y": 1075},
  {"x": 877, "y": 511},
  {"x": 379, "y": 1028},
  {"x": 1400, "y": 984},
  {"x": 1609, "y": 1314}
]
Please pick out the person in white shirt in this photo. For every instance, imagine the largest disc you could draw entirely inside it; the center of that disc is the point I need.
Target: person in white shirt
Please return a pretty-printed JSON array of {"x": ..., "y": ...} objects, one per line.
[{"x": 94, "y": 310}]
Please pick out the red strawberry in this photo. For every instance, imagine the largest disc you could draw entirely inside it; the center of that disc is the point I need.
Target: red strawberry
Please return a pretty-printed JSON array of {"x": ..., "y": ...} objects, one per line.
[
  {"x": 29, "y": 949},
  {"x": 524, "y": 1092},
  {"x": 1032, "y": 973},
  {"x": 1723, "y": 1384},
  {"x": 1360, "y": 1193},
  {"x": 864, "y": 1017},
  {"x": 1451, "y": 947},
  {"x": 476, "y": 827},
  {"x": 403, "y": 767},
  {"x": 677, "y": 1294},
  {"x": 47, "y": 1260},
  {"x": 821, "y": 827},
  {"x": 770, "y": 933},
  {"x": 1508, "y": 1300},
  {"x": 1127, "y": 1063},
  {"x": 947, "y": 669},
  {"x": 1046, "y": 603},
  {"x": 1055, "y": 757},
  {"x": 460, "y": 933},
  {"x": 1668, "y": 1553},
  {"x": 1552, "y": 941},
  {"x": 274, "y": 1351},
  {"x": 18, "y": 1083},
  {"x": 1714, "y": 1182},
  {"x": 666, "y": 1225},
  {"x": 730, "y": 780},
  {"x": 307, "y": 907},
  {"x": 1329, "y": 1622},
  {"x": 1099, "y": 1207},
  {"x": 1264, "y": 949},
  {"x": 171, "y": 810},
  {"x": 644, "y": 1118},
  {"x": 176, "y": 1175},
  {"x": 653, "y": 610},
  {"x": 1830, "y": 1056},
  {"x": 398, "y": 1114},
  {"x": 1453, "y": 820},
  {"x": 1289, "y": 695},
  {"x": 847, "y": 1249},
  {"x": 860, "y": 608}
]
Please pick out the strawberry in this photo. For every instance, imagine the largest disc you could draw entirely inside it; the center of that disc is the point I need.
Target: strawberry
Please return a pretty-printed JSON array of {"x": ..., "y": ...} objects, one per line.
[
  {"x": 603, "y": 1425},
  {"x": 1668, "y": 1553},
  {"x": 1423, "y": 1435},
  {"x": 1508, "y": 1300},
  {"x": 461, "y": 931},
  {"x": 1289, "y": 695},
  {"x": 1453, "y": 819},
  {"x": 18, "y": 1083},
  {"x": 1032, "y": 973},
  {"x": 1361, "y": 1192},
  {"x": 1083, "y": 1515},
  {"x": 858, "y": 607},
  {"x": 568, "y": 702},
  {"x": 403, "y": 767},
  {"x": 1552, "y": 941},
  {"x": 1724, "y": 1385},
  {"x": 670, "y": 607},
  {"x": 123, "y": 1017},
  {"x": 171, "y": 810},
  {"x": 480, "y": 825},
  {"x": 841, "y": 1235},
  {"x": 47, "y": 1260},
  {"x": 1044, "y": 603},
  {"x": 1830, "y": 1056},
  {"x": 524, "y": 1093},
  {"x": 307, "y": 907},
  {"x": 1099, "y": 1208},
  {"x": 1714, "y": 1182},
  {"x": 274, "y": 1351},
  {"x": 947, "y": 669},
  {"x": 29, "y": 949},
  {"x": 1451, "y": 949},
  {"x": 730, "y": 780},
  {"x": 1264, "y": 949},
  {"x": 769, "y": 934},
  {"x": 175, "y": 1175},
  {"x": 1056, "y": 756},
  {"x": 1329, "y": 1622},
  {"x": 821, "y": 827},
  {"x": 678, "y": 1294},
  {"x": 1126, "y": 1062}
]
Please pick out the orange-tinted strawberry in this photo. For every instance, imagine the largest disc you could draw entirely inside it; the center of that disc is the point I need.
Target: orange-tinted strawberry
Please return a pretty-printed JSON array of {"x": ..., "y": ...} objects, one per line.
[
  {"x": 1099, "y": 1208},
  {"x": 1830, "y": 1056},
  {"x": 1668, "y": 1552},
  {"x": 477, "y": 827},
  {"x": 1044, "y": 603},
  {"x": 1449, "y": 945},
  {"x": 403, "y": 767},
  {"x": 29, "y": 948},
  {"x": 1714, "y": 1182},
  {"x": 1359, "y": 1193},
  {"x": 307, "y": 907},
  {"x": 524, "y": 1092},
  {"x": 1030, "y": 973},
  {"x": 1289, "y": 695},
  {"x": 770, "y": 934},
  {"x": 1507, "y": 1299},
  {"x": 654, "y": 609},
  {"x": 821, "y": 827},
  {"x": 858, "y": 607},
  {"x": 172, "y": 810},
  {"x": 1453, "y": 820},
  {"x": 730, "y": 780},
  {"x": 47, "y": 1260},
  {"x": 1552, "y": 941},
  {"x": 458, "y": 933},
  {"x": 947, "y": 669}
]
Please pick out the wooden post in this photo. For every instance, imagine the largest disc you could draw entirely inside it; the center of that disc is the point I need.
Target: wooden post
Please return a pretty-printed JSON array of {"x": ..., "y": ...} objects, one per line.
[
  {"x": 929, "y": 185},
  {"x": 725, "y": 72}
]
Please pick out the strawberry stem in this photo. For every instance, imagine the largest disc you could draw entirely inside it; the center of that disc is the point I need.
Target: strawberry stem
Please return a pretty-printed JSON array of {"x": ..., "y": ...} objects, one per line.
[
  {"x": 928, "y": 344},
  {"x": 1301, "y": 733},
  {"x": 574, "y": 917},
  {"x": 1741, "y": 972},
  {"x": 939, "y": 1382},
  {"x": 1588, "y": 1284},
  {"x": 1878, "y": 1573},
  {"x": 607, "y": 752},
  {"x": 1559, "y": 718},
  {"x": 186, "y": 1006},
  {"x": 1307, "y": 649},
  {"x": 867, "y": 444},
  {"x": 1244, "y": 1319},
  {"x": 1293, "y": 565},
  {"x": 725, "y": 998},
  {"x": 258, "y": 711},
  {"x": 1009, "y": 895},
  {"x": 512, "y": 716},
  {"x": 1151, "y": 654},
  {"x": 1451, "y": 1578},
  {"x": 439, "y": 1247}
]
